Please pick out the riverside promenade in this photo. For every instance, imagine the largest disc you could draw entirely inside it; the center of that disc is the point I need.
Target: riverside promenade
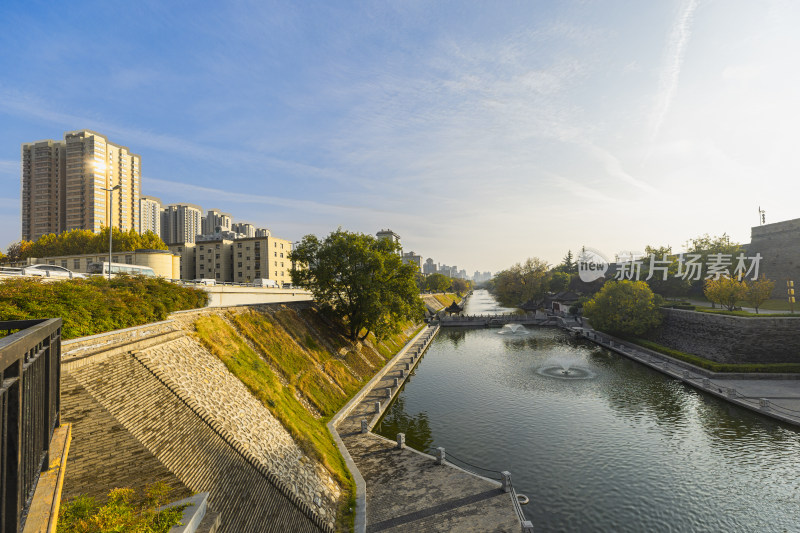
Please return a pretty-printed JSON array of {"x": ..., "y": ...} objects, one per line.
[
  {"x": 773, "y": 395},
  {"x": 406, "y": 490}
]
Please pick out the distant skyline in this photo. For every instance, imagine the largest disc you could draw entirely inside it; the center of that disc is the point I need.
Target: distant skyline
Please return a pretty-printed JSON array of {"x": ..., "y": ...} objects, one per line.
[{"x": 481, "y": 133}]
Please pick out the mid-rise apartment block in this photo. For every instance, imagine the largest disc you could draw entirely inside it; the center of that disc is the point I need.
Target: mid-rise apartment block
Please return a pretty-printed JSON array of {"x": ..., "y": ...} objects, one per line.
[
  {"x": 236, "y": 260},
  {"x": 150, "y": 214},
  {"x": 181, "y": 223},
  {"x": 63, "y": 185}
]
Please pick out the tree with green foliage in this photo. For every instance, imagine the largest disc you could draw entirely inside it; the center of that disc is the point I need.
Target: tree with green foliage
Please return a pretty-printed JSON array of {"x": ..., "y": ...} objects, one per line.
[
  {"x": 458, "y": 286},
  {"x": 18, "y": 251},
  {"x": 623, "y": 308},
  {"x": 674, "y": 285},
  {"x": 559, "y": 281},
  {"x": 725, "y": 291},
  {"x": 705, "y": 246},
  {"x": 360, "y": 280},
  {"x": 759, "y": 291},
  {"x": 568, "y": 264},
  {"x": 522, "y": 282},
  {"x": 437, "y": 282}
]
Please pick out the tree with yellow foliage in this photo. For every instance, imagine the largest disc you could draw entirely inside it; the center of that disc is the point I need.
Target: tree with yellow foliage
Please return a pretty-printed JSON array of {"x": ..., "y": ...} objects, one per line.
[
  {"x": 725, "y": 291},
  {"x": 759, "y": 291}
]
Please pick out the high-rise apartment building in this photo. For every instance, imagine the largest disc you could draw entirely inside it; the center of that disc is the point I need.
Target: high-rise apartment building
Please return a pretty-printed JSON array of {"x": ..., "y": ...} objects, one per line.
[
  {"x": 216, "y": 221},
  {"x": 43, "y": 183},
  {"x": 414, "y": 259},
  {"x": 150, "y": 214},
  {"x": 181, "y": 223},
  {"x": 63, "y": 182},
  {"x": 245, "y": 229},
  {"x": 94, "y": 163}
]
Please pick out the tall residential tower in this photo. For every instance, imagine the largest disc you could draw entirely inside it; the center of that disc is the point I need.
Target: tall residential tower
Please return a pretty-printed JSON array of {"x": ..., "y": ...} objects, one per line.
[{"x": 63, "y": 182}]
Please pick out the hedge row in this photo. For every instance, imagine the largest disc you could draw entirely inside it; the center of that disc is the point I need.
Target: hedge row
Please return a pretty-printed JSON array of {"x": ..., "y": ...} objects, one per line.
[
  {"x": 714, "y": 366},
  {"x": 95, "y": 305}
]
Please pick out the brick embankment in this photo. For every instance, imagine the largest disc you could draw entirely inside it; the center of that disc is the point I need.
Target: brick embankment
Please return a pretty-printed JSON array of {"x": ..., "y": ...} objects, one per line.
[
  {"x": 197, "y": 376},
  {"x": 134, "y": 426},
  {"x": 406, "y": 490}
]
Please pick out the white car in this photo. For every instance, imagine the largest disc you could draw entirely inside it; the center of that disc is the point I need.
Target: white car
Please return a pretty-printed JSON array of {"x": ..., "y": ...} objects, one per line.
[{"x": 50, "y": 271}]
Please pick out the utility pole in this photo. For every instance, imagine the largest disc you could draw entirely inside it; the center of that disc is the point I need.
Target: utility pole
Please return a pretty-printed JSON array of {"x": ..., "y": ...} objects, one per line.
[{"x": 110, "y": 222}]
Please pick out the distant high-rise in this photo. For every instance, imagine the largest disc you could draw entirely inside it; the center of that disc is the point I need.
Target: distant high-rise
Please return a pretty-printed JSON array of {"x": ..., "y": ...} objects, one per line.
[
  {"x": 388, "y": 234},
  {"x": 63, "y": 182},
  {"x": 414, "y": 259},
  {"x": 150, "y": 214},
  {"x": 245, "y": 229},
  {"x": 216, "y": 221},
  {"x": 429, "y": 267},
  {"x": 181, "y": 223}
]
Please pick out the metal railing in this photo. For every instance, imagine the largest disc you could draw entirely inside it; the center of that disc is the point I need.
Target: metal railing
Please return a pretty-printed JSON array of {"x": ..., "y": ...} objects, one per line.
[{"x": 30, "y": 402}]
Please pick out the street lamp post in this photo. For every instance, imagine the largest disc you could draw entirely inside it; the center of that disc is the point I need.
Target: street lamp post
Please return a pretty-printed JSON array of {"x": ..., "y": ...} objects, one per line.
[{"x": 110, "y": 222}]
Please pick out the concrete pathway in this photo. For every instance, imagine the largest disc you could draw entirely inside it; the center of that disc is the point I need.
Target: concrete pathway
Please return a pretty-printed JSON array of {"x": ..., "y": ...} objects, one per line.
[
  {"x": 405, "y": 489},
  {"x": 773, "y": 395}
]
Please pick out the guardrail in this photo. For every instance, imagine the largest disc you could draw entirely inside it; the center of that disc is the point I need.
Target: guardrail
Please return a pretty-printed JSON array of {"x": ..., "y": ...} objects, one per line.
[{"x": 30, "y": 402}]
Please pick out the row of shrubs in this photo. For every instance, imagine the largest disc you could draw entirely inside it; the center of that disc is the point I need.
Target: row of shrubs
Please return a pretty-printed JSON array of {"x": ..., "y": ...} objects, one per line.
[{"x": 95, "y": 305}]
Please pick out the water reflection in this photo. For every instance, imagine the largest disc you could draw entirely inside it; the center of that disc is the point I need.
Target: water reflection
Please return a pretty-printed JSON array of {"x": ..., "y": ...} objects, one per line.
[
  {"x": 455, "y": 335},
  {"x": 627, "y": 449},
  {"x": 416, "y": 428}
]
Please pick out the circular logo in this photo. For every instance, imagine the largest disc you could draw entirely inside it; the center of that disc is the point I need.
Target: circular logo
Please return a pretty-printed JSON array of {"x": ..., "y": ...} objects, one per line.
[{"x": 592, "y": 265}]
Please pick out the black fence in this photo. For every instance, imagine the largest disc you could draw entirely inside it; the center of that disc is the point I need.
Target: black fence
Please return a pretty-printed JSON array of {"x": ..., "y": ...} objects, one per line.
[{"x": 30, "y": 404}]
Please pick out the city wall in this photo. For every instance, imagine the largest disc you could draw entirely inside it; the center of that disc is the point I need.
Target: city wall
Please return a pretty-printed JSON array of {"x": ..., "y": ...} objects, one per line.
[
  {"x": 779, "y": 246},
  {"x": 731, "y": 339}
]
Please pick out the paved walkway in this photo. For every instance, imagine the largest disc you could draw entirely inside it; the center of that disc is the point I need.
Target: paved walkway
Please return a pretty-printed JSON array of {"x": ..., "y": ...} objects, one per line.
[
  {"x": 406, "y": 490},
  {"x": 773, "y": 395}
]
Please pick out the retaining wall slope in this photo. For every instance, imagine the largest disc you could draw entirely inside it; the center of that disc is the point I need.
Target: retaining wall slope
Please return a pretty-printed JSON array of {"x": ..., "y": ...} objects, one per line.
[{"x": 176, "y": 441}]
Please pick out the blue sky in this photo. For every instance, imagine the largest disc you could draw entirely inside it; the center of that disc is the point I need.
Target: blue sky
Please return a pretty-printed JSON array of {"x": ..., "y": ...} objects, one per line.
[{"x": 482, "y": 132}]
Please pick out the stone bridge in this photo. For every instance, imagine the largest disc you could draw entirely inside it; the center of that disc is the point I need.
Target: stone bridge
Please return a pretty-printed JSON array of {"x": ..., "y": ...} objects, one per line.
[{"x": 498, "y": 321}]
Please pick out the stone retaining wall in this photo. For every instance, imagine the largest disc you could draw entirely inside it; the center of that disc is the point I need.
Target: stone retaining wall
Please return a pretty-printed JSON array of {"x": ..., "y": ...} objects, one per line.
[
  {"x": 731, "y": 339},
  {"x": 136, "y": 430},
  {"x": 199, "y": 378}
]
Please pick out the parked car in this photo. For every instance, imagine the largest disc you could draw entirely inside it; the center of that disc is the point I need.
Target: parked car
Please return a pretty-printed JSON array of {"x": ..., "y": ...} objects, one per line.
[{"x": 50, "y": 271}]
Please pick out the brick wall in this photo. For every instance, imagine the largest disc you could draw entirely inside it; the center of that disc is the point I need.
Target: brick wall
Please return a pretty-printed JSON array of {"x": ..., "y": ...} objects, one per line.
[
  {"x": 130, "y": 428},
  {"x": 779, "y": 245},
  {"x": 731, "y": 339}
]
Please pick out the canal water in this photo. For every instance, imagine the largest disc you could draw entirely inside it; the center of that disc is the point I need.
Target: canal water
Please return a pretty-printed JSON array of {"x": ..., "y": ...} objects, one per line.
[{"x": 610, "y": 445}]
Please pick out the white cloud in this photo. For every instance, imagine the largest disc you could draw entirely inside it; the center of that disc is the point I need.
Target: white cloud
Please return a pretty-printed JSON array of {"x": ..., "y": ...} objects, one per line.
[{"x": 673, "y": 61}]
